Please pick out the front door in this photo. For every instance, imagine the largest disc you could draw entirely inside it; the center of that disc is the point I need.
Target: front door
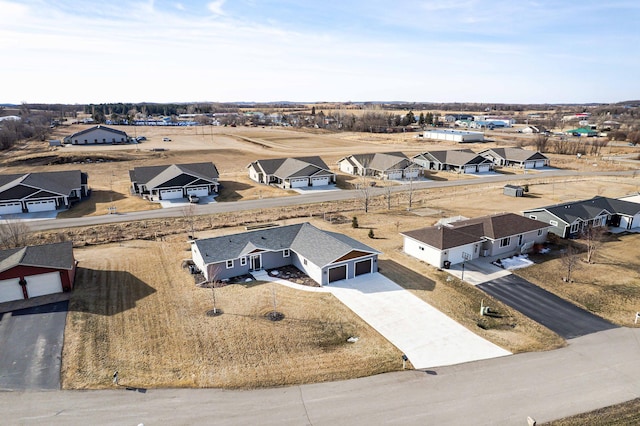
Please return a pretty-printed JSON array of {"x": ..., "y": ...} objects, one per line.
[{"x": 255, "y": 262}]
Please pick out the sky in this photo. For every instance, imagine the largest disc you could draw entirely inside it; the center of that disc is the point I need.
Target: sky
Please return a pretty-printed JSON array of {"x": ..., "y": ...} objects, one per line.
[{"x": 490, "y": 51}]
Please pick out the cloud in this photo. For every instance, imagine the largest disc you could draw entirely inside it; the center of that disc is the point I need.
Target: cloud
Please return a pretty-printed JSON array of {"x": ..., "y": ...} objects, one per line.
[{"x": 216, "y": 7}]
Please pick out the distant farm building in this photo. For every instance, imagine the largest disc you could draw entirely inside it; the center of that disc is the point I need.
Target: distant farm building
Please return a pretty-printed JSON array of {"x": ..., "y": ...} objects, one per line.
[{"x": 97, "y": 135}]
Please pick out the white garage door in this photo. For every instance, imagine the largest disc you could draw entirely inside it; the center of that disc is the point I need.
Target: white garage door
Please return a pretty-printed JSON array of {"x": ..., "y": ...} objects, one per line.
[
  {"x": 394, "y": 175},
  {"x": 41, "y": 206},
  {"x": 411, "y": 174},
  {"x": 539, "y": 163},
  {"x": 320, "y": 181},
  {"x": 10, "y": 208},
  {"x": 469, "y": 169},
  {"x": 170, "y": 194},
  {"x": 298, "y": 183},
  {"x": 39, "y": 285},
  {"x": 484, "y": 168},
  {"x": 10, "y": 290},
  {"x": 529, "y": 164},
  {"x": 200, "y": 191}
]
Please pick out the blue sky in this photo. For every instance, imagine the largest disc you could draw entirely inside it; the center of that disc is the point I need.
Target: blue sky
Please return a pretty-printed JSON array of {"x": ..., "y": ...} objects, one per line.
[{"x": 74, "y": 51}]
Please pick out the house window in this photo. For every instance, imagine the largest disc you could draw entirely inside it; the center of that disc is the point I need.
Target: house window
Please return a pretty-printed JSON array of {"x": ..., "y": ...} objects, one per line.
[
  {"x": 304, "y": 262},
  {"x": 532, "y": 217},
  {"x": 539, "y": 232},
  {"x": 286, "y": 253},
  {"x": 421, "y": 248},
  {"x": 575, "y": 227},
  {"x": 505, "y": 242},
  {"x": 520, "y": 239},
  {"x": 229, "y": 264},
  {"x": 243, "y": 261},
  {"x": 553, "y": 222}
]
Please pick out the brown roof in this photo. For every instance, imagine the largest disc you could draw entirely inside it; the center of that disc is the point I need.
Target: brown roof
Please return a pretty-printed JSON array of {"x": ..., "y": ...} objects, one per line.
[{"x": 469, "y": 231}]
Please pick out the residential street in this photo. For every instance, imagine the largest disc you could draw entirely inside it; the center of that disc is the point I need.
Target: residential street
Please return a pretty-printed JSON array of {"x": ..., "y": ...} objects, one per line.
[
  {"x": 593, "y": 371},
  {"x": 320, "y": 197}
]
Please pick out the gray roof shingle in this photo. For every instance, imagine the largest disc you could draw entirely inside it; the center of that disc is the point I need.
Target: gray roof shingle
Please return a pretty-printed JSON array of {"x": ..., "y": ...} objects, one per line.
[
  {"x": 57, "y": 255},
  {"x": 589, "y": 209},
  {"x": 155, "y": 176},
  {"x": 285, "y": 168},
  {"x": 320, "y": 247},
  {"x": 61, "y": 183}
]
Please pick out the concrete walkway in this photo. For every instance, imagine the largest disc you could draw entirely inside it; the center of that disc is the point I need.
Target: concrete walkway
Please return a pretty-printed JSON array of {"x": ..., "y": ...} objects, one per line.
[{"x": 428, "y": 337}]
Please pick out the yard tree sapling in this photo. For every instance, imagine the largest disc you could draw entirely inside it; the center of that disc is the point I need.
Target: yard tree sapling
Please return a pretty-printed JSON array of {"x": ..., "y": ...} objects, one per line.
[
  {"x": 593, "y": 237},
  {"x": 15, "y": 233},
  {"x": 570, "y": 261}
]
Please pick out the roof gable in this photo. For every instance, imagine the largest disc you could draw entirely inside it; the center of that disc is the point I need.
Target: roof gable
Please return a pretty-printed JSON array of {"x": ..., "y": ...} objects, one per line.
[{"x": 57, "y": 256}]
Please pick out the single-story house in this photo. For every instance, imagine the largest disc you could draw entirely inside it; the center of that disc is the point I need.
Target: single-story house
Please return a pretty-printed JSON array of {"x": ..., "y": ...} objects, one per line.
[
  {"x": 451, "y": 118},
  {"x": 456, "y": 242},
  {"x": 292, "y": 172},
  {"x": 33, "y": 271},
  {"x": 97, "y": 135},
  {"x": 516, "y": 157},
  {"x": 37, "y": 192},
  {"x": 382, "y": 165},
  {"x": 533, "y": 129},
  {"x": 460, "y": 161},
  {"x": 568, "y": 220},
  {"x": 175, "y": 181},
  {"x": 324, "y": 256},
  {"x": 454, "y": 135}
]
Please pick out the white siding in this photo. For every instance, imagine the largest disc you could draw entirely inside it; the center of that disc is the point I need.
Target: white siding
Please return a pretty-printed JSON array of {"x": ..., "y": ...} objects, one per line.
[
  {"x": 427, "y": 254},
  {"x": 346, "y": 167}
]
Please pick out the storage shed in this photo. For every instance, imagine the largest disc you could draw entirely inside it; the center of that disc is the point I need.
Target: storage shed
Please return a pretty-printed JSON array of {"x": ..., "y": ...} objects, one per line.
[{"x": 513, "y": 190}]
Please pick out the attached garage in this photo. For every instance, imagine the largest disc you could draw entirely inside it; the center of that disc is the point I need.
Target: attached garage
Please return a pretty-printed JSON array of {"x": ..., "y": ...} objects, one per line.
[
  {"x": 200, "y": 191},
  {"x": 364, "y": 267},
  {"x": 529, "y": 164},
  {"x": 11, "y": 208},
  {"x": 470, "y": 169},
  {"x": 10, "y": 290},
  {"x": 540, "y": 163},
  {"x": 41, "y": 206},
  {"x": 483, "y": 168},
  {"x": 395, "y": 175},
  {"x": 338, "y": 273},
  {"x": 299, "y": 182},
  {"x": 171, "y": 194},
  {"x": 320, "y": 181},
  {"x": 43, "y": 284},
  {"x": 411, "y": 174}
]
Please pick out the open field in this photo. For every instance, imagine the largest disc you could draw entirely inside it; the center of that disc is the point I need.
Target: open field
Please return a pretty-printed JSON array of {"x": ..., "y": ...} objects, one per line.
[{"x": 137, "y": 311}]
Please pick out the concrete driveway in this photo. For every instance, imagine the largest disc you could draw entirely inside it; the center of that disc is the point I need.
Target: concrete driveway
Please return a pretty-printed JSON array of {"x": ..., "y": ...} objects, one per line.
[
  {"x": 555, "y": 313},
  {"x": 477, "y": 271},
  {"x": 31, "y": 347},
  {"x": 428, "y": 337}
]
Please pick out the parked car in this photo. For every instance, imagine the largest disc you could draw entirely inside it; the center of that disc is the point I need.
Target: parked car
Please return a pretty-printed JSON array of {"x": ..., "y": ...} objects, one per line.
[
  {"x": 166, "y": 140},
  {"x": 193, "y": 198}
]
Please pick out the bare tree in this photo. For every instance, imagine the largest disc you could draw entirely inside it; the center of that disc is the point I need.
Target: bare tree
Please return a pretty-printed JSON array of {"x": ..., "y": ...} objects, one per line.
[
  {"x": 541, "y": 142},
  {"x": 410, "y": 192},
  {"x": 14, "y": 233},
  {"x": 188, "y": 212},
  {"x": 387, "y": 192},
  {"x": 570, "y": 261},
  {"x": 593, "y": 237}
]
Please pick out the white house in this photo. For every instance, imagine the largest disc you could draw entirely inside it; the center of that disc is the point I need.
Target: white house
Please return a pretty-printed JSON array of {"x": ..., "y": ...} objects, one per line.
[
  {"x": 97, "y": 135},
  {"x": 382, "y": 165}
]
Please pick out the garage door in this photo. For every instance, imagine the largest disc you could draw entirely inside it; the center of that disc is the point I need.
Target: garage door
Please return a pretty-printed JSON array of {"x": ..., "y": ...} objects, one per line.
[
  {"x": 394, "y": 175},
  {"x": 411, "y": 174},
  {"x": 171, "y": 194},
  {"x": 320, "y": 181},
  {"x": 10, "y": 208},
  {"x": 298, "y": 183},
  {"x": 338, "y": 273},
  {"x": 529, "y": 164},
  {"x": 469, "y": 169},
  {"x": 539, "y": 163},
  {"x": 39, "y": 285},
  {"x": 484, "y": 168},
  {"x": 41, "y": 206},
  {"x": 10, "y": 290},
  {"x": 363, "y": 267},
  {"x": 199, "y": 191}
]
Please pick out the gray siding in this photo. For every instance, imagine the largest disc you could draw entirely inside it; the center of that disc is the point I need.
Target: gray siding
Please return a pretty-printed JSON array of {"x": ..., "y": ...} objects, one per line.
[
  {"x": 274, "y": 259},
  {"x": 546, "y": 217}
]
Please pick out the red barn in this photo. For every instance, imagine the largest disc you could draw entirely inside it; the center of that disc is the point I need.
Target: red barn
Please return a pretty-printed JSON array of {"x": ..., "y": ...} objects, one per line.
[{"x": 34, "y": 271}]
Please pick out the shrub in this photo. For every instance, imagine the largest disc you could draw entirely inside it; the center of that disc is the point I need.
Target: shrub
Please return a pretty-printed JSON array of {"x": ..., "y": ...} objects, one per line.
[{"x": 354, "y": 222}]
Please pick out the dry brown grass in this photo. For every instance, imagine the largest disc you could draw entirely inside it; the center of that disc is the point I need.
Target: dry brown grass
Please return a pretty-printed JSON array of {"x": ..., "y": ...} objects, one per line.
[
  {"x": 609, "y": 287},
  {"x": 136, "y": 311},
  {"x": 624, "y": 414}
]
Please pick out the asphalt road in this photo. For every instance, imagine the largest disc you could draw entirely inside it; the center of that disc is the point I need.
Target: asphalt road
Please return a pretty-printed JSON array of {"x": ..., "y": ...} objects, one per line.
[
  {"x": 31, "y": 347},
  {"x": 555, "y": 313},
  {"x": 593, "y": 371},
  {"x": 321, "y": 197}
]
